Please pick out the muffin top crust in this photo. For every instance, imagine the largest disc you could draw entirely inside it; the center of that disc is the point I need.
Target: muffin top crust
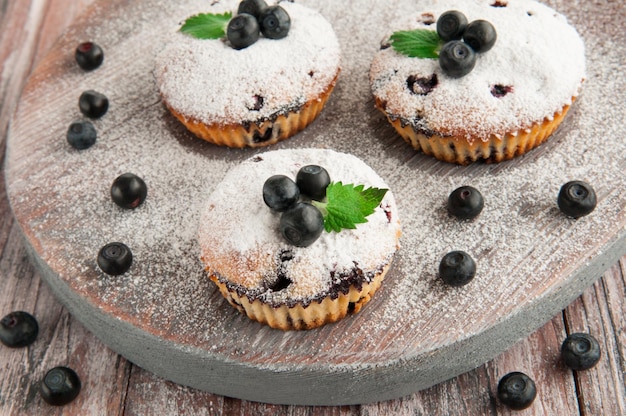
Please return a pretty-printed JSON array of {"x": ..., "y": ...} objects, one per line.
[
  {"x": 242, "y": 246},
  {"x": 211, "y": 82},
  {"x": 535, "y": 68}
]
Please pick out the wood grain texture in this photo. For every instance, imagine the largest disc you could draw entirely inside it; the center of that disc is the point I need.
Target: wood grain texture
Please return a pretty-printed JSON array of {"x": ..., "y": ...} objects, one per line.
[{"x": 125, "y": 389}]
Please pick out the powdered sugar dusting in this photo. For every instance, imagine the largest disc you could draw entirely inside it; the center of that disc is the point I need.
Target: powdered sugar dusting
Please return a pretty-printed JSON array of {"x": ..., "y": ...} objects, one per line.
[
  {"x": 525, "y": 249},
  {"x": 209, "y": 81},
  {"x": 535, "y": 68},
  {"x": 241, "y": 241}
]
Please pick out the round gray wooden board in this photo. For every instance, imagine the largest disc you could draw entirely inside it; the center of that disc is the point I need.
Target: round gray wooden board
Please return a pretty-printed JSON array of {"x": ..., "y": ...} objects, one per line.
[{"x": 164, "y": 314}]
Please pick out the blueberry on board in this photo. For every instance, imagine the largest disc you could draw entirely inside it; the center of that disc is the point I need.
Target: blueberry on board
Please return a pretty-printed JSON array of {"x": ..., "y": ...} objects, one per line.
[
  {"x": 59, "y": 386},
  {"x": 89, "y": 56},
  {"x": 280, "y": 192},
  {"x": 576, "y": 199},
  {"x": 242, "y": 31},
  {"x": 457, "y": 58},
  {"x": 275, "y": 22},
  {"x": 115, "y": 258},
  {"x": 253, "y": 7},
  {"x": 128, "y": 191},
  {"x": 457, "y": 268},
  {"x": 18, "y": 329},
  {"x": 93, "y": 104},
  {"x": 580, "y": 351},
  {"x": 465, "y": 202},
  {"x": 81, "y": 134},
  {"x": 451, "y": 25},
  {"x": 312, "y": 180},
  {"x": 516, "y": 390},
  {"x": 480, "y": 35},
  {"x": 302, "y": 225}
]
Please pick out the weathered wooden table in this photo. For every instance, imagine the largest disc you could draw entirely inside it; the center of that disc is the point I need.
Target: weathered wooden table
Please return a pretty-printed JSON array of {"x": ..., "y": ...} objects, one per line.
[{"x": 112, "y": 385}]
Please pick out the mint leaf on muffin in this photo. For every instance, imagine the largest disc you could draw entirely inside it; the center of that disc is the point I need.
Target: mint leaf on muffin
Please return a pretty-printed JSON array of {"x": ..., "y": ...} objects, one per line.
[
  {"x": 418, "y": 43},
  {"x": 348, "y": 205},
  {"x": 206, "y": 25}
]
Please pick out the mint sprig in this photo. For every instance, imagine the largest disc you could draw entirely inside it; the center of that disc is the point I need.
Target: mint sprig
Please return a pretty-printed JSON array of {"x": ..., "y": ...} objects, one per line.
[
  {"x": 206, "y": 25},
  {"x": 418, "y": 43},
  {"x": 348, "y": 205}
]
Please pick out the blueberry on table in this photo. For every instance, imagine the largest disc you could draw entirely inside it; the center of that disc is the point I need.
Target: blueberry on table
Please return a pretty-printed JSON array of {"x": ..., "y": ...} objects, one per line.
[
  {"x": 465, "y": 202},
  {"x": 81, "y": 134},
  {"x": 576, "y": 199},
  {"x": 128, "y": 191},
  {"x": 89, "y": 56},
  {"x": 312, "y": 180},
  {"x": 280, "y": 193},
  {"x": 115, "y": 258},
  {"x": 457, "y": 268},
  {"x": 59, "y": 386},
  {"x": 516, "y": 390},
  {"x": 242, "y": 31},
  {"x": 93, "y": 104},
  {"x": 580, "y": 351},
  {"x": 451, "y": 25},
  {"x": 18, "y": 329},
  {"x": 480, "y": 35},
  {"x": 457, "y": 58},
  {"x": 302, "y": 225},
  {"x": 275, "y": 22},
  {"x": 253, "y": 7}
]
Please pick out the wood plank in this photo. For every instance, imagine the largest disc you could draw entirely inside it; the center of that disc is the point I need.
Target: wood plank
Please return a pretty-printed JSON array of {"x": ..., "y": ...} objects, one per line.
[{"x": 601, "y": 311}]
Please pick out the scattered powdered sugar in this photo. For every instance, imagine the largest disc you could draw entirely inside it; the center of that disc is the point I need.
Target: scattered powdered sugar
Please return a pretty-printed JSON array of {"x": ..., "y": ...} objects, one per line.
[
  {"x": 523, "y": 246},
  {"x": 241, "y": 241},
  {"x": 534, "y": 69},
  {"x": 209, "y": 81}
]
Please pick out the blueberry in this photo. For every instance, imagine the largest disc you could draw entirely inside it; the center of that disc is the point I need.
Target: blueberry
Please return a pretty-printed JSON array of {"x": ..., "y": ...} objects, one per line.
[
  {"x": 516, "y": 390},
  {"x": 128, "y": 191},
  {"x": 457, "y": 268},
  {"x": 275, "y": 22},
  {"x": 115, "y": 259},
  {"x": 253, "y": 7},
  {"x": 81, "y": 134},
  {"x": 18, "y": 329},
  {"x": 280, "y": 193},
  {"x": 89, "y": 56},
  {"x": 457, "y": 58},
  {"x": 59, "y": 386},
  {"x": 93, "y": 104},
  {"x": 451, "y": 25},
  {"x": 242, "y": 31},
  {"x": 577, "y": 199},
  {"x": 302, "y": 225},
  {"x": 465, "y": 202},
  {"x": 312, "y": 180},
  {"x": 580, "y": 351},
  {"x": 480, "y": 35}
]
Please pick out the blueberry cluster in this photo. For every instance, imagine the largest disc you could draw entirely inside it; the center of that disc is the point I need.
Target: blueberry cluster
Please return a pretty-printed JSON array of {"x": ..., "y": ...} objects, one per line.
[
  {"x": 579, "y": 351},
  {"x": 255, "y": 17},
  {"x": 463, "y": 41},
  {"x": 301, "y": 223},
  {"x": 457, "y": 268},
  {"x": 60, "y": 385},
  {"x": 128, "y": 190},
  {"x": 82, "y": 134}
]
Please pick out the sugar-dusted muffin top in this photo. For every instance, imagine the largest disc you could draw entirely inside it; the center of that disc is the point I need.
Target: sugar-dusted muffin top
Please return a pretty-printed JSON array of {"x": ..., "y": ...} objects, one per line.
[
  {"x": 213, "y": 83},
  {"x": 241, "y": 243},
  {"x": 535, "y": 68}
]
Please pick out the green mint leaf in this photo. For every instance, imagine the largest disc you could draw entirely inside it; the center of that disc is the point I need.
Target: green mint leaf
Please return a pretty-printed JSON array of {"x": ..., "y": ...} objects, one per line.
[
  {"x": 348, "y": 205},
  {"x": 418, "y": 43},
  {"x": 206, "y": 25}
]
